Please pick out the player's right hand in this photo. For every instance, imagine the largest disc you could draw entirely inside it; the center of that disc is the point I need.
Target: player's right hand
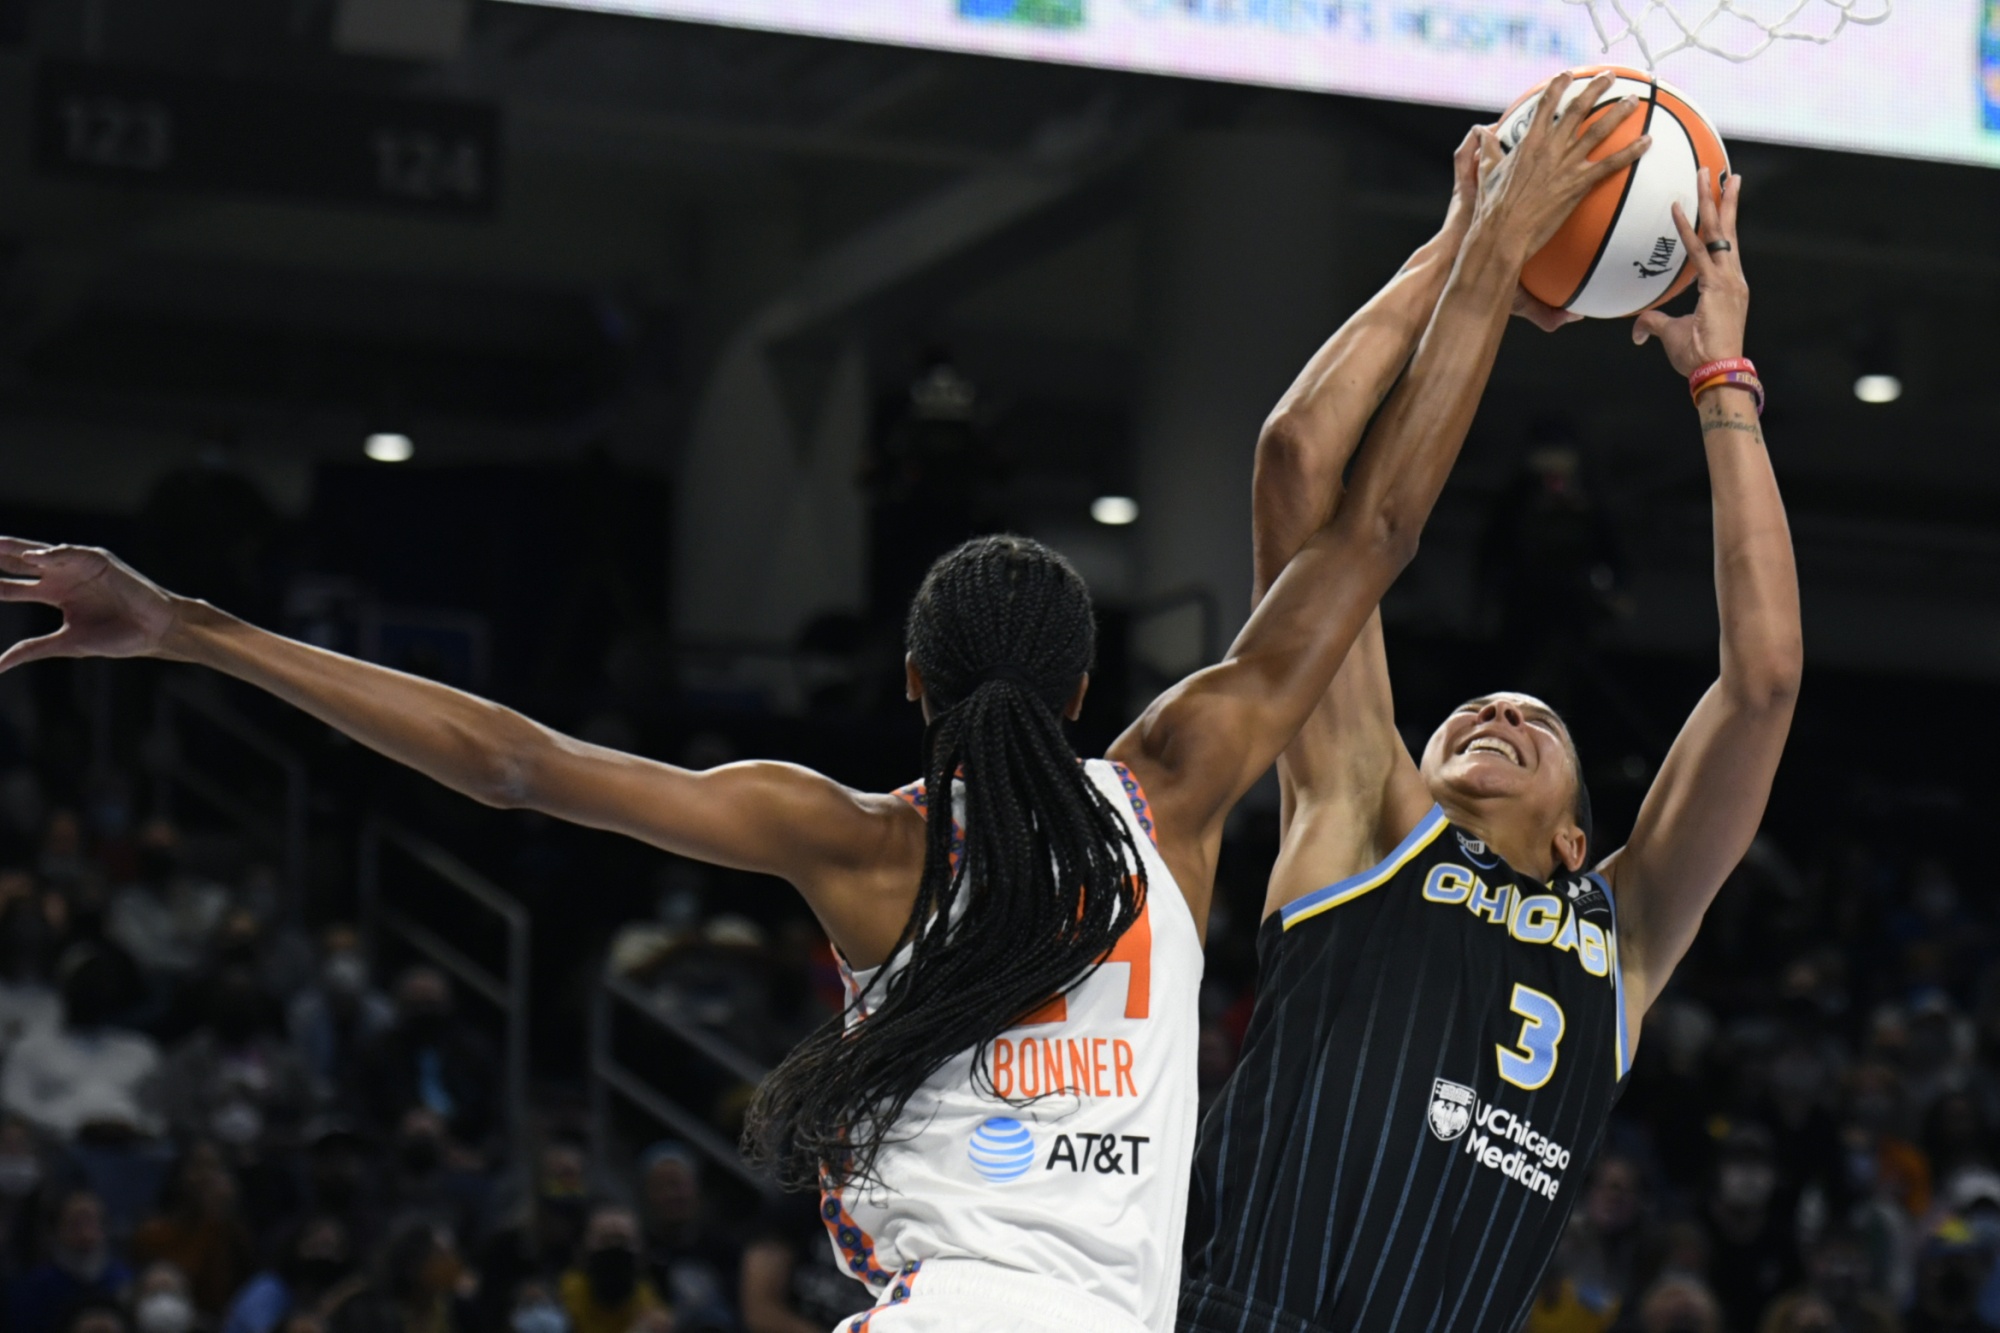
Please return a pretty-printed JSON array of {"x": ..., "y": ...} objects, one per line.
[
  {"x": 1530, "y": 192},
  {"x": 109, "y": 609}
]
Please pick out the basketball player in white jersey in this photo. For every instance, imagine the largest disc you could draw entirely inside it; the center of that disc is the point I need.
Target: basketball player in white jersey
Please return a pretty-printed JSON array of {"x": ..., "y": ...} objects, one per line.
[{"x": 1002, "y": 1124}]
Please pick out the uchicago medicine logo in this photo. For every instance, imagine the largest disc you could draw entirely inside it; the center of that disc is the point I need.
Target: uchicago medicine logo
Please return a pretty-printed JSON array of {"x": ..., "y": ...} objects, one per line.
[{"x": 1497, "y": 1139}]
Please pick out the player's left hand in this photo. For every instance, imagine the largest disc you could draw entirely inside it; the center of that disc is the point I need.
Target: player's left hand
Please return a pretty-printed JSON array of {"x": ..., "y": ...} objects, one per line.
[{"x": 1714, "y": 331}]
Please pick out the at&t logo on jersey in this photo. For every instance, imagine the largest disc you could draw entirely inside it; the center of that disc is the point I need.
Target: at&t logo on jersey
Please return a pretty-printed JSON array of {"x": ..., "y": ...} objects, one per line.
[
  {"x": 1499, "y": 1140},
  {"x": 1001, "y": 1150}
]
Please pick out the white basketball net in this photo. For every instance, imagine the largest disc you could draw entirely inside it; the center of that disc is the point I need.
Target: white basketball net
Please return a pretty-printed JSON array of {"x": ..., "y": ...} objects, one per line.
[{"x": 1736, "y": 30}]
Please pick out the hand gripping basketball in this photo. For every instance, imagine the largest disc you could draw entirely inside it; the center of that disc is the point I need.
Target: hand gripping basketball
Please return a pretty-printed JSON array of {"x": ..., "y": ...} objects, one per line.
[
  {"x": 1527, "y": 194},
  {"x": 1714, "y": 331}
]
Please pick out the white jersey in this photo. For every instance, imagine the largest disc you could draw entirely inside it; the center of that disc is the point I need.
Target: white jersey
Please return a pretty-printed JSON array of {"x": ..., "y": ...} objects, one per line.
[{"x": 1077, "y": 1171}]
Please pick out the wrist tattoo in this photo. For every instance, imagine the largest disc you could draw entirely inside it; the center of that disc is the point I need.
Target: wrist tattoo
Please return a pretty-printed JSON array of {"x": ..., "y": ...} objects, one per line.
[{"x": 1730, "y": 423}]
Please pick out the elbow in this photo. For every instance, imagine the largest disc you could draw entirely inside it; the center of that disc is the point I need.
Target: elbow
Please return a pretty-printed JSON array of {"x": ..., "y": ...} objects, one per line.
[
  {"x": 1392, "y": 536},
  {"x": 1770, "y": 684},
  {"x": 506, "y": 761},
  {"x": 1287, "y": 456}
]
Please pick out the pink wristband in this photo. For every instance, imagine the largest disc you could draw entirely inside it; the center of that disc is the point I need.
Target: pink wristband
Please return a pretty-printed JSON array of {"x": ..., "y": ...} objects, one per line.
[{"x": 1733, "y": 379}]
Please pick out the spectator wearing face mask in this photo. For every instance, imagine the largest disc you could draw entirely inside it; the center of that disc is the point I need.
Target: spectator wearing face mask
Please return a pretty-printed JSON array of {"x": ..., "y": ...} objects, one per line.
[
  {"x": 437, "y": 1176},
  {"x": 87, "y": 1074},
  {"x": 690, "y": 1261},
  {"x": 1836, "y": 1297},
  {"x": 1754, "y": 1256},
  {"x": 160, "y": 1301},
  {"x": 338, "y": 1014},
  {"x": 1608, "y": 1237},
  {"x": 314, "y": 1261},
  {"x": 1678, "y": 1303},
  {"x": 80, "y": 1267},
  {"x": 98, "y": 1314},
  {"x": 1886, "y": 1176},
  {"x": 790, "y": 1282},
  {"x": 533, "y": 1308},
  {"x": 234, "y": 1079},
  {"x": 164, "y": 918},
  {"x": 537, "y": 1242},
  {"x": 28, "y": 1003},
  {"x": 343, "y": 1179},
  {"x": 416, "y": 1286},
  {"x": 606, "y": 1292},
  {"x": 1953, "y": 1265},
  {"x": 431, "y": 1060},
  {"x": 21, "y": 1175},
  {"x": 200, "y": 1229}
]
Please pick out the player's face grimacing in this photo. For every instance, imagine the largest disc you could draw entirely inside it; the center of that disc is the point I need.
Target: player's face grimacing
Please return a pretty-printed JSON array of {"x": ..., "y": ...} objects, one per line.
[{"x": 1508, "y": 757}]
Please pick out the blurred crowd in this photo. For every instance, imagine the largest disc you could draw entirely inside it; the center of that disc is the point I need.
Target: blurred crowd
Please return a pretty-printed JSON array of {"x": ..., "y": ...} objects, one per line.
[
  {"x": 1807, "y": 1143},
  {"x": 215, "y": 1118}
]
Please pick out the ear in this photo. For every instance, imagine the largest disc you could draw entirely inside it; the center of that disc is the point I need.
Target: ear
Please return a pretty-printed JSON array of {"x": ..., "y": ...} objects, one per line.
[
  {"x": 1075, "y": 709},
  {"x": 1570, "y": 847},
  {"x": 913, "y": 680}
]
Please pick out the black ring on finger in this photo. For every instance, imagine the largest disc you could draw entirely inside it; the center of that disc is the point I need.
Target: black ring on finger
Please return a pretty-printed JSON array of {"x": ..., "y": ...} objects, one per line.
[{"x": 1719, "y": 247}]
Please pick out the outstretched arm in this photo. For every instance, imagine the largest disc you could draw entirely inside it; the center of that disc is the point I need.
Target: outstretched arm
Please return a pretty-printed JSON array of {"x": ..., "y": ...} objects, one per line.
[
  {"x": 1203, "y": 743},
  {"x": 1348, "y": 788},
  {"x": 1705, "y": 805},
  {"x": 776, "y": 819},
  {"x": 1311, "y": 435}
]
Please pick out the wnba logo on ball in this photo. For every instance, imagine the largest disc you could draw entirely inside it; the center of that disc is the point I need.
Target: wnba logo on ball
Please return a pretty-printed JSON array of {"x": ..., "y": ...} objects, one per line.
[{"x": 1002, "y": 1150}]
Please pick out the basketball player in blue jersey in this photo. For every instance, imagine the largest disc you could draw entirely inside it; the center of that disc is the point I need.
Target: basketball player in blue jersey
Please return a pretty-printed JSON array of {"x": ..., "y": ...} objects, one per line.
[
  {"x": 1452, "y": 975},
  {"x": 1003, "y": 1119}
]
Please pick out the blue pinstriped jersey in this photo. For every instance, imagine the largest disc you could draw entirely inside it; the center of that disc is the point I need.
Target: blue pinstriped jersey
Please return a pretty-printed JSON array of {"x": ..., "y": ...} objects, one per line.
[{"x": 1435, "y": 1047}]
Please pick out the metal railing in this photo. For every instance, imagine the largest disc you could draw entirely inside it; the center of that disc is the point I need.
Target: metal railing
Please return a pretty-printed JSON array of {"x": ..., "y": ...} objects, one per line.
[
  {"x": 171, "y": 758},
  {"x": 608, "y": 1078},
  {"x": 506, "y": 991}
]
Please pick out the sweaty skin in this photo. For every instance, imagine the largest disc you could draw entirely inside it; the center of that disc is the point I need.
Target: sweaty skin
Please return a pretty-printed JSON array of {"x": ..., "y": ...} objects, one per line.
[{"x": 1503, "y": 766}]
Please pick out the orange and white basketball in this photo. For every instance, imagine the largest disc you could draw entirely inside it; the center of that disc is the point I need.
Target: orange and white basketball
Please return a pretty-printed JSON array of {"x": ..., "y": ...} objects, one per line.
[{"x": 1619, "y": 253}]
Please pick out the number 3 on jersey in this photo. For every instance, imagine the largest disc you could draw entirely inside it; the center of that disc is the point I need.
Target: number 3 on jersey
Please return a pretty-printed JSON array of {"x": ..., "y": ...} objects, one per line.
[{"x": 1534, "y": 1062}]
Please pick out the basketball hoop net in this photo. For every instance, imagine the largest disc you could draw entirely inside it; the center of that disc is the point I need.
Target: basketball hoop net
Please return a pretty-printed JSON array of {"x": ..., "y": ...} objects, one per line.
[{"x": 1736, "y": 30}]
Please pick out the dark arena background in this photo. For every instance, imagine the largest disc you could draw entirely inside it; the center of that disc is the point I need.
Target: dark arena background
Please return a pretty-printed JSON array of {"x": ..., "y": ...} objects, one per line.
[{"x": 631, "y": 372}]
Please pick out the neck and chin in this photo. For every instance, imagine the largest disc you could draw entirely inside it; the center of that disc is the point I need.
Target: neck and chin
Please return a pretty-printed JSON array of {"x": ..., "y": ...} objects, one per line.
[{"x": 1527, "y": 844}]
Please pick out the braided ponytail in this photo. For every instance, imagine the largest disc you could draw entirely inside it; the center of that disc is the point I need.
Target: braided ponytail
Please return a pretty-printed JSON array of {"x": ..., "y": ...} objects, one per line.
[{"x": 1049, "y": 878}]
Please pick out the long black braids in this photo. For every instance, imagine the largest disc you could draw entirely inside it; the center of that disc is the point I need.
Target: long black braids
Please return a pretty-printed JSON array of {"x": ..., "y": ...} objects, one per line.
[{"x": 1048, "y": 879}]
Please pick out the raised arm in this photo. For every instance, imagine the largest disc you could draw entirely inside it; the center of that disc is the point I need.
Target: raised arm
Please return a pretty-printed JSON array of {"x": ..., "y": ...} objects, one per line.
[
  {"x": 776, "y": 819},
  {"x": 1705, "y": 805},
  {"x": 1348, "y": 787},
  {"x": 1203, "y": 743}
]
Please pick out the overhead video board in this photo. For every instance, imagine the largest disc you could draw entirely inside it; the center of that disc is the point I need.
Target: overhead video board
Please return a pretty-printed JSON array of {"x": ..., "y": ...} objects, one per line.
[{"x": 1924, "y": 84}]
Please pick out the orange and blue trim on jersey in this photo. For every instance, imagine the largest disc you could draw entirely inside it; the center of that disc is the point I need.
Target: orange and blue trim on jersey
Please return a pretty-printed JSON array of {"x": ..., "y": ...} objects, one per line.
[
  {"x": 919, "y": 800},
  {"x": 1347, "y": 890},
  {"x": 906, "y": 1282},
  {"x": 1622, "y": 1056},
  {"x": 857, "y": 1247},
  {"x": 918, "y": 797},
  {"x": 1141, "y": 807}
]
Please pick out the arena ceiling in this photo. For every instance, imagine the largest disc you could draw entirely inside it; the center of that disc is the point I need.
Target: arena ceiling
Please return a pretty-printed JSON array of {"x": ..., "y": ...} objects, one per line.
[{"x": 655, "y": 183}]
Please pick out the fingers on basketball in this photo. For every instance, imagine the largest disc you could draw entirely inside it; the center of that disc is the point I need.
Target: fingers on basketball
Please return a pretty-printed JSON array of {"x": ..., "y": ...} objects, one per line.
[{"x": 1551, "y": 104}]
